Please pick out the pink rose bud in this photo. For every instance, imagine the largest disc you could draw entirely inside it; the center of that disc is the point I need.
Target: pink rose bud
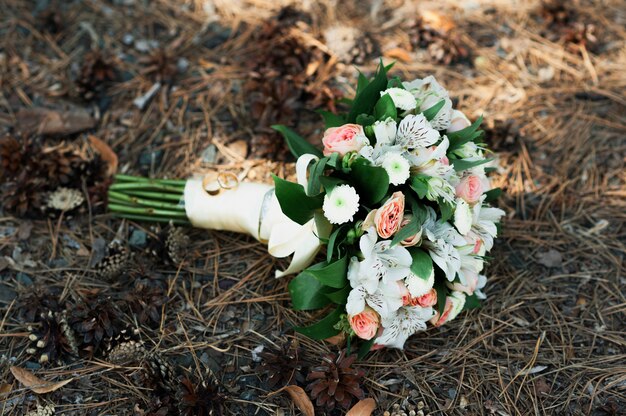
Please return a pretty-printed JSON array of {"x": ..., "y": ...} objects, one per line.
[
  {"x": 344, "y": 139},
  {"x": 389, "y": 217},
  {"x": 365, "y": 324},
  {"x": 415, "y": 238},
  {"x": 429, "y": 299},
  {"x": 470, "y": 188},
  {"x": 439, "y": 320}
]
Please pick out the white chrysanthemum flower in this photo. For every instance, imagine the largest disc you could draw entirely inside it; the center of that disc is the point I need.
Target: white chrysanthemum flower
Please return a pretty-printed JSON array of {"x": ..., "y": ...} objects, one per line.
[
  {"x": 405, "y": 322},
  {"x": 397, "y": 168},
  {"x": 462, "y": 216},
  {"x": 415, "y": 131},
  {"x": 419, "y": 287},
  {"x": 402, "y": 98},
  {"x": 341, "y": 204},
  {"x": 385, "y": 132}
]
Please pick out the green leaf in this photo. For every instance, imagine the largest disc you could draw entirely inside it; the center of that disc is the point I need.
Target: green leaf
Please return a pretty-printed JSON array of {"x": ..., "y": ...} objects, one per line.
[
  {"x": 331, "y": 119},
  {"x": 471, "y": 302},
  {"x": 334, "y": 160},
  {"x": 432, "y": 111},
  {"x": 422, "y": 265},
  {"x": 307, "y": 292},
  {"x": 331, "y": 274},
  {"x": 330, "y": 182},
  {"x": 340, "y": 297},
  {"x": 493, "y": 194},
  {"x": 294, "y": 202},
  {"x": 419, "y": 183},
  {"x": 361, "y": 83},
  {"x": 316, "y": 173},
  {"x": 385, "y": 108},
  {"x": 335, "y": 241},
  {"x": 407, "y": 231},
  {"x": 442, "y": 293},
  {"x": 296, "y": 143},
  {"x": 365, "y": 120},
  {"x": 464, "y": 164},
  {"x": 447, "y": 210},
  {"x": 395, "y": 82},
  {"x": 367, "y": 97},
  {"x": 371, "y": 182},
  {"x": 324, "y": 328},
  {"x": 459, "y": 138},
  {"x": 365, "y": 348}
]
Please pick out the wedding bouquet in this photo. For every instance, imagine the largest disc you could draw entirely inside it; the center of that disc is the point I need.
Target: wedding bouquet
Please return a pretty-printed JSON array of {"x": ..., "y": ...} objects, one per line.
[{"x": 398, "y": 195}]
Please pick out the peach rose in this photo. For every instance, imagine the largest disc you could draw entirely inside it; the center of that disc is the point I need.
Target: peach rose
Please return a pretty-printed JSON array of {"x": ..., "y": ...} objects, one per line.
[
  {"x": 344, "y": 139},
  {"x": 415, "y": 238},
  {"x": 429, "y": 299},
  {"x": 439, "y": 320},
  {"x": 470, "y": 188},
  {"x": 389, "y": 217},
  {"x": 365, "y": 324}
]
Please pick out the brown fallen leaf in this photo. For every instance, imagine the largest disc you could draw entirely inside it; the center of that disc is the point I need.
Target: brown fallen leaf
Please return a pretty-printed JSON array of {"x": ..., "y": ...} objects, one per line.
[
  {"x": 52, "y": 122},
  {"x": 364, "y": 407},
  {"x": 399, "y": 54},
  {"x": 108, "y": 155},
  {"x": 36, "y": 384},
  {"x": 299, "y": 397},
  {"x": 4, "y": 390}
]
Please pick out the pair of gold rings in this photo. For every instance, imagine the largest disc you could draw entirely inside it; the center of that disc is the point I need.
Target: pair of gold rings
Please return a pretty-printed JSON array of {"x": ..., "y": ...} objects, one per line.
[{"x": 216, "y": 182}]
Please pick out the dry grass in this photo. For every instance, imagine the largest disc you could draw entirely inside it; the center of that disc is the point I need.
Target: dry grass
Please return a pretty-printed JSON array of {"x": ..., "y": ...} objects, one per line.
[{"x": 549, "y": 340}]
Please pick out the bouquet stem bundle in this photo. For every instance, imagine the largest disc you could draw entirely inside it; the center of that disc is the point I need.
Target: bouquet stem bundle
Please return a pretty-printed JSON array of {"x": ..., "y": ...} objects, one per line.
[{"x": 144, "y": 199}]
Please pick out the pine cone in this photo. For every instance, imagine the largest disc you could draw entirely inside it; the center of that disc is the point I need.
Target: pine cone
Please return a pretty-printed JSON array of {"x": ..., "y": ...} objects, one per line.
[
  {"x": 11, "y": 157},
  {"x": 170, "y": 245},
  {"x": 54, "y": 339},
  {"x": 159, "y": 373},
  {"x": 199, "y": 399},
  {"x": 282, "y": 366},
  {"x": 147, "y": 303},
  {"x": 24, "y": 197},
  {"x": 97, "y": 70},
  {"x": 96, "y": 320},
  {"x": 115, "y": 262},
  {"x": 443, "y": 46},
  {"x": 37, "y": 300},
  {"x": 335, "y": 382}
]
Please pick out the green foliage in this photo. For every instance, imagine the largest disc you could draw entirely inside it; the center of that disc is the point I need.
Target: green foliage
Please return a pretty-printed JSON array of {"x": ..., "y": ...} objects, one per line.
[
  {"x": 493, "y": 194},
  {"x": 296, "y": 143},
  {"x": 385, "y": 108},
  {"x": 332, "y": 119},
  {"x": 371, "y": 182},
  {"x": 471, "y": 302},
  {"x": 324, "y": 328},
  {"x": 307, "y": 292},
  {"x": 419, "y": 183},
  {"x": 331, "y": 274},
  {"x": 464, "y": 164},
  {"x": 422, "y": 265},
  {"x": 431, "y": 112},
  {"x": 294, "y": 201},
  {"x": 468, "y": 134},
  {"x": 368, "y": 94}
]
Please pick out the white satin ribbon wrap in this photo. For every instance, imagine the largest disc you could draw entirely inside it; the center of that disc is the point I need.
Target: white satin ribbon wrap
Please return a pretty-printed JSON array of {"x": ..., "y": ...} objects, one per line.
[{"x": 252, "y": 208}]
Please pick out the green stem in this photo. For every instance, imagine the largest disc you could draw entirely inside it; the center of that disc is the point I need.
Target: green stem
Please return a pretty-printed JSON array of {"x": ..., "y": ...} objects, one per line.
[
  {"x": 159, "y": 196},
  {"x": 136, "y": 179},
  {"x": 125, "y": 209},
  {"x": 132, "y": 200},
  {"x": 146, "y": 186}
]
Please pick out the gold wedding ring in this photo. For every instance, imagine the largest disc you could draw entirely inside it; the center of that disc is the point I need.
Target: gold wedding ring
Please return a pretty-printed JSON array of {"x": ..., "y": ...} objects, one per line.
[{"x": 215, "y": 182}]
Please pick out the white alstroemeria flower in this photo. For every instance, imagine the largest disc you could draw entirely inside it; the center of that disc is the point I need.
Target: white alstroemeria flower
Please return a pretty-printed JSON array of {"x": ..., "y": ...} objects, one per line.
[
  {"x": 440, "y": 188},
  {"x": 458, "y": 121},
  {"x": 462, "y": 216},
  {"x": 458, "y": 301},
  {"x": 482, "y": 281},
  {"x": 484, "y": 222},
  {"x": 402, "y": 98},
  {"x": 385, "y": 300},
  {"x": 341, "y": 204},
  {"x": 429, "y": 92},
  {"x": 415, "y": 131},
  {"x": 380, "y": 262},
  {"x": 397, "y": 168},
  {"x": 471, "y": 264},
  {"x": 385, "y": 132},
  {"x": 419, "y": 287},
  {"x": 446, "y": 256},
  {"x": 469, "y": 150},
  {"x": 405, "y": 322},
  {"x": 432, "y": 161}
]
